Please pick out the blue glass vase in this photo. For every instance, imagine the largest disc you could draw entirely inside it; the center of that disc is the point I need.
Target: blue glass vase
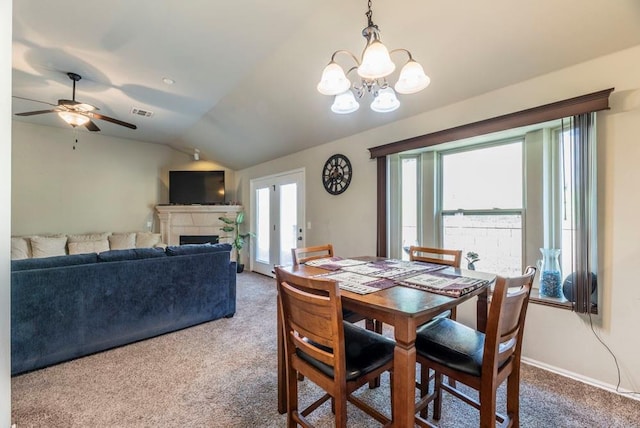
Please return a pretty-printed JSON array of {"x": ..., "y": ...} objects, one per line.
[{"x": 550, "y": 275}]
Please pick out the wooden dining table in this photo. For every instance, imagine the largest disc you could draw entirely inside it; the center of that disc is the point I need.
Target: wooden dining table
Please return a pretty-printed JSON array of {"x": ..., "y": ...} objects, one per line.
[{"x": 405, "y": 309}]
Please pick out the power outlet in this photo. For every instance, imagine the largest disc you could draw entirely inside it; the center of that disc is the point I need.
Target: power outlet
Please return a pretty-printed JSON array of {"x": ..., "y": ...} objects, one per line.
[{"x": 149, "y": 225}]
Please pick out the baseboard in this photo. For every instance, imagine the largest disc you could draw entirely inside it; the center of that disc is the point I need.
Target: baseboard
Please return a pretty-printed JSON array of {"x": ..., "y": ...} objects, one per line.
[{"x": 580, "y": 378}]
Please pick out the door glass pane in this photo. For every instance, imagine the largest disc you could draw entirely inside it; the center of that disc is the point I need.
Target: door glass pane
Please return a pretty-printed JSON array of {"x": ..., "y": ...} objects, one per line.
[
  {"x": 262, "y": 225},
  {"x": 288, "y": 221},
  {"x": 409, "y": 194},
  {"x": 485, "y": 178}
]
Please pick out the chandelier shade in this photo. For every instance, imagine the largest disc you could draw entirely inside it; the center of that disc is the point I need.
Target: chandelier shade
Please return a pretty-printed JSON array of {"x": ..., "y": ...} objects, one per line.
[
  {"x": 373, "y": 69},
  {"x": 386, "y": 101},
  {"x": 412, "y": 79},
  {"x": 376, "y": 62},
  {"x": 345, "y": 103},
  {"x": 333, "y": 80},
  {"x": 73, "y": 118}
]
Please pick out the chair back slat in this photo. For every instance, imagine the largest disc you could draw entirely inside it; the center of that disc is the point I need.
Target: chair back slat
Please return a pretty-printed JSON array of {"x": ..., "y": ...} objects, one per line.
[
  {"x": 505, "y": 322},
  {"x": 311, "y": 313},
  {"x": 436, "y": 255},
  {"x": 304, "y": 254}
]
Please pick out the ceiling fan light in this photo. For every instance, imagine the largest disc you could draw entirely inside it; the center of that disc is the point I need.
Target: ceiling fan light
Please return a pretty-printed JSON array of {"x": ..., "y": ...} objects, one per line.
[
  {"x": 73, "y": 118},
  {"x": 84, "y": 107},
  {"x": 412, "y": 79},
  {"x": 386, "y": 101},
  {"x": 333, "y": 80},
  {"x": 376, "y": 62},
  {"x": 345, "y": 103}
]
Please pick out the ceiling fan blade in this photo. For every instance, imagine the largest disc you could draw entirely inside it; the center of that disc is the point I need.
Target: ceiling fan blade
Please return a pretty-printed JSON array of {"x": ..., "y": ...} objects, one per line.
[
  {"x": 110, "y": 119},
  {"x": 32, "y": 113},
  {"x": 31, "y": 99},
  {"x": 91, "y": 126}
]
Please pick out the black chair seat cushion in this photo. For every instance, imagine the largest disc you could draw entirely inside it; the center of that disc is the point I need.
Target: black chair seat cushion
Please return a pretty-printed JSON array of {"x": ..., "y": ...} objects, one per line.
[
  {"x": 365, "y": 351},
  {"x": 351, "y": 316},
  {"x": 454, "y": 345}
]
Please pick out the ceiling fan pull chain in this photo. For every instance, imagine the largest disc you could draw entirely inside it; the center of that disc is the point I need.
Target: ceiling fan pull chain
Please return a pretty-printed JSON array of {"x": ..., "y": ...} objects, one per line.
[{"x": 75, "y": 136}]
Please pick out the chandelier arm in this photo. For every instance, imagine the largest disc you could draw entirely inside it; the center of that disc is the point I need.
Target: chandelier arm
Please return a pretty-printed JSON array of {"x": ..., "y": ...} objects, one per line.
[
  {"x": 333, "y": 57},
  {"x": 402, "y": 50}
]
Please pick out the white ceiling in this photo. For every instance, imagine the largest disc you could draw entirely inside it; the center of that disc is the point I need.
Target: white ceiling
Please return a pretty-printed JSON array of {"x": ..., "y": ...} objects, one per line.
[{"x": 245, "y": 71}]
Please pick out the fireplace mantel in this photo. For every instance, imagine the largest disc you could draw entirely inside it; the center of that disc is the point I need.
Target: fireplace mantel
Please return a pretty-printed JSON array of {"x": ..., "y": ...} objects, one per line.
[{"x": 176, "y": 220}]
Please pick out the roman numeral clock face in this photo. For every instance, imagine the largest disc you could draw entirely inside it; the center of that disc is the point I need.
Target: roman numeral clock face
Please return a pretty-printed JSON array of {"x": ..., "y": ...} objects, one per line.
[{"x": 336, "y": 174}]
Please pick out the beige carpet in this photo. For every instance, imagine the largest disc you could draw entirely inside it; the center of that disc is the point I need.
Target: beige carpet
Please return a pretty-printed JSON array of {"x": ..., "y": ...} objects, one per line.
[{"x": 223, "y": 374}]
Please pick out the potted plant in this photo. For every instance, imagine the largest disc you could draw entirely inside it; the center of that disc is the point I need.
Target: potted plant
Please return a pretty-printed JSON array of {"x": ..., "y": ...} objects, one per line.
[
  {"x": 239, "y": 239},
  {"x": 471, "y": 259}
]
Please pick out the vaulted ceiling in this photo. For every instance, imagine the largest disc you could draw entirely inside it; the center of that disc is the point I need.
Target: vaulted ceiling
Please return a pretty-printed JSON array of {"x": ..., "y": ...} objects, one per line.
[{"x": 246, "y": 71}]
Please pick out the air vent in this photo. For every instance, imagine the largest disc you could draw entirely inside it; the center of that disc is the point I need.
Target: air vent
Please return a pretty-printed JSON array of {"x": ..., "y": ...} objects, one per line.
[{"x": 140, "y": 112}]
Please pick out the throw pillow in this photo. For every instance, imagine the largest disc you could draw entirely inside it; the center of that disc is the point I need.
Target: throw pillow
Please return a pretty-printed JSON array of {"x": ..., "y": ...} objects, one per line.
[
  {"x": 88, "y": 247},
  {"x": 122, "y": 241},
  {"x": 48, "y": 246},
  {"x": 20, "y": 248},
  {"x": 147, "y": 239}
]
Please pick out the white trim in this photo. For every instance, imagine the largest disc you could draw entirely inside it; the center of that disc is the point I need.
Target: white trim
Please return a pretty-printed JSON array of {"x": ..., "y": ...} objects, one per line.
[{"x": 580, "y": 378}]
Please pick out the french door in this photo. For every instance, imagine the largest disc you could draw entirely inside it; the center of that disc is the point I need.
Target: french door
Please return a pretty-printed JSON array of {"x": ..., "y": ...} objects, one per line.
[{"x": 277, "y": 212}]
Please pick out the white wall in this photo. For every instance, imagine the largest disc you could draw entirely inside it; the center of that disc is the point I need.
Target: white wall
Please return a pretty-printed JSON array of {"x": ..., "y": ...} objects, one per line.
[
  {"x": 105, "y": 184},
  {"x": 5, "y": 214},
  {"x": 554, "y": 337}
]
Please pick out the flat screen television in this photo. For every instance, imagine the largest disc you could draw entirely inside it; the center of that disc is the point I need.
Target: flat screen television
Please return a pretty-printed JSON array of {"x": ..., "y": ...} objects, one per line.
[{"x": 196, "y": 187}]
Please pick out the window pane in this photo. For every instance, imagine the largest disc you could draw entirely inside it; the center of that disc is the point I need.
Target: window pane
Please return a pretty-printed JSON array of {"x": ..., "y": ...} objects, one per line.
[
  {"x": 497, "y": 239},
  {"x": 288, "y": 221},
  {"x": 485, "y": 178},
  {"x": 409, "y": 195},
  {"x": 262, "y": 228}
]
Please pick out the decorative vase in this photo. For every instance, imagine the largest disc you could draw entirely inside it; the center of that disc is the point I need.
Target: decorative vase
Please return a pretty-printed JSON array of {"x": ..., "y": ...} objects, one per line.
[{"x": 550, "y": 276}]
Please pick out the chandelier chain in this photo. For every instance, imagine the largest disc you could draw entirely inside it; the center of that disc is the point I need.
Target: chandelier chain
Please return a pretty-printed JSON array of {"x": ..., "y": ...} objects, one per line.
[{"x": 369, "y": 15}]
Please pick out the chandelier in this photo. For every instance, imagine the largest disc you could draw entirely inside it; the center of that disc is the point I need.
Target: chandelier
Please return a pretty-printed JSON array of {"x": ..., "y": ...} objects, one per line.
[{"x": 372, "y": 69}]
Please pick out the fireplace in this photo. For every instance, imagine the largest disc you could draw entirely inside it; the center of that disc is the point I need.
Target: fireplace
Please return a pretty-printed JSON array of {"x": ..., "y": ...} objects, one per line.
[
  {"x": 195, "y": 221},
  {"x": 198, "y": 239}
]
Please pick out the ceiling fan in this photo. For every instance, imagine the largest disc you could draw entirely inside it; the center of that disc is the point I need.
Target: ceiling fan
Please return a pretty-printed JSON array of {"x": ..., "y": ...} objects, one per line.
[{"x": 74, "y": 112}]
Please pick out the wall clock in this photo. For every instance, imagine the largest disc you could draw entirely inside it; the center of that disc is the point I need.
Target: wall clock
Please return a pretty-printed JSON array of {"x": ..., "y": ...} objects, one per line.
[{"x": 336, "y": 174}]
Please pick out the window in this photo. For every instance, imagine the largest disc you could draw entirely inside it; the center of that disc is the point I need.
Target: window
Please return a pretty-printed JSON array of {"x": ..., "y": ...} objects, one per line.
[
  {"x": 560, "y": 191},
  {"x": 482, "y": 204}
]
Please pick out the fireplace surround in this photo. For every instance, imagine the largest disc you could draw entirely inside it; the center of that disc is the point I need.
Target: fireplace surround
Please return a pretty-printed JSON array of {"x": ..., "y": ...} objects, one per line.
[{"x": 194, "y": 220}]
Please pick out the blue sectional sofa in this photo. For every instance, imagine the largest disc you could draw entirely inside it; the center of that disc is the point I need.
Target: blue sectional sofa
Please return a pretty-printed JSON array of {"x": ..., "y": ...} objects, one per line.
[{"x": 71, "y": 306}]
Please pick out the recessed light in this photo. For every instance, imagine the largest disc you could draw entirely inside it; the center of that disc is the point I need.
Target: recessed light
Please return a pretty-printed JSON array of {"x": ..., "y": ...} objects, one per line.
[{"x": 168, "y": 80}]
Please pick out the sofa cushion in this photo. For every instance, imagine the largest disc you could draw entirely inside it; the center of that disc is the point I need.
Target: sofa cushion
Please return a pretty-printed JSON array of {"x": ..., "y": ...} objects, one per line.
[
  {"x": 52, "y": 262},
  {"x": 147, "y": 239},
  {"x": 20, "y": 248},
  {"x": 86, "y": 237},
  {"x": 180, "y": 250},
  {"x": 48, "y": 246},
  {"x": 83, "y": 247},
  {"x": 122, "y": 241},
  {"x": 130, "y": 254}
]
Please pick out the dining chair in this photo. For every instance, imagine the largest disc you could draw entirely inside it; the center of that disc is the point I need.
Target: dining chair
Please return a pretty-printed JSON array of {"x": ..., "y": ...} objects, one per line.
[
  {"x": 441, "y": 256},
  {"x": 305, "y": 254},
  {"x": 482, "y": 361},
  {"x": 337, "y": 356}
]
